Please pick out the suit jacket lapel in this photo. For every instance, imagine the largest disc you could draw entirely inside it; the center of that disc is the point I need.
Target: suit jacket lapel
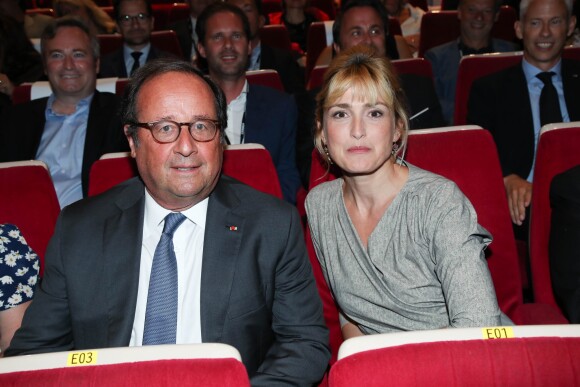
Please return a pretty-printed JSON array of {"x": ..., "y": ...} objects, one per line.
[
  {"x": 254, "y": 113},
  {"x": 122, "y": 240},
  {"x": 222, "y": 243},
  {"x": 571, "y": 81}
]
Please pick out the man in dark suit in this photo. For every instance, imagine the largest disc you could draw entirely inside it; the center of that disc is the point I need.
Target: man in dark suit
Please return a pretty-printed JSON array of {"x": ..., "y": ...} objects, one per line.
[
  {"x": 255, "y": 113},
  {"x": 564, "y": 237},
  {"x": 241, "y": 274},
  {"x": 75, "y": 125},
  {"x": 507, "y": 103},
  {"x": 135, "y": 21},
  {"x": 263, "y": 56}
]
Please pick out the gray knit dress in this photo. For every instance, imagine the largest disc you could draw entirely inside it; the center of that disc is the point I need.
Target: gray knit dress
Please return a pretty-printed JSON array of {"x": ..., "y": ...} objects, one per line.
[{"x": 424, "y": 266}]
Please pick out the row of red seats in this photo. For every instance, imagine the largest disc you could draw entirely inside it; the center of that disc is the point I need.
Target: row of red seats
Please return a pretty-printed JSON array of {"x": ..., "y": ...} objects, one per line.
[{"x": 511, "y": 356}]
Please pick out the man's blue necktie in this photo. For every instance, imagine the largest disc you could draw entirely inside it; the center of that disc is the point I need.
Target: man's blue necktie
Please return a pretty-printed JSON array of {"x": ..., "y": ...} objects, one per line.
[{"x": 161, "y": 312}]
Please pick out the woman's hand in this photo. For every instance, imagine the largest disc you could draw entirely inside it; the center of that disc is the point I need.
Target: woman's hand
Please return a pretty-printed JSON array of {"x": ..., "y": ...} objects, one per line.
[{"x": 350, "y": 330}]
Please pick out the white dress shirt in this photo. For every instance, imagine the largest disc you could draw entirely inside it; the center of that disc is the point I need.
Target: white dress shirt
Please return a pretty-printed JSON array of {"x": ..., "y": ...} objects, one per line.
[
  {"x": 236, "y": 110},
  {"x": 188, "y": 244}
]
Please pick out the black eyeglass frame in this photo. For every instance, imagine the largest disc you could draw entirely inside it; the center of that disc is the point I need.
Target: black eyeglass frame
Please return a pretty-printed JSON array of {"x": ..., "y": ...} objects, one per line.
[{"x": 149, "y": 126}]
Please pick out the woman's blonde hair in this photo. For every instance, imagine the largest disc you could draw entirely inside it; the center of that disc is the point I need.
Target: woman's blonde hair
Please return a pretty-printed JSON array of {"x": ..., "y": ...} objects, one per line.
[{"x": 370, "y": 78}]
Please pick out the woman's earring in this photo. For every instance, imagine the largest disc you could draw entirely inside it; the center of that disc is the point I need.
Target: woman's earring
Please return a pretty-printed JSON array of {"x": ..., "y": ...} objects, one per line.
[
  {"x": 395, "y": 149},
  {"x": 325, "y": 148}
]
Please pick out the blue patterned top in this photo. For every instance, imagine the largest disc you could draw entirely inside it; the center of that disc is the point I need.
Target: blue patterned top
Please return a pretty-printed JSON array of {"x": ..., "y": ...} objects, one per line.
[{"x": 19, "y": 268}]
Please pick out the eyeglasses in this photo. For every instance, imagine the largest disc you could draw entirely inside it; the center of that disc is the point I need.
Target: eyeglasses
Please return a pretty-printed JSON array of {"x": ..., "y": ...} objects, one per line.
[
  {"x": 167, "y": 131},
  {"x": 126, "y": 19}
]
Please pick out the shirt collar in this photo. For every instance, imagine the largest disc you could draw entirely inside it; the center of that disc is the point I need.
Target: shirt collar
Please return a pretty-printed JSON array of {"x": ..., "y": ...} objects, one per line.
[
  {"x": 128, "y": 50},
  {"x": 82, "y": 103},
  {"x": 155, "y": 214},
  {"x": 530, "y": 71}
]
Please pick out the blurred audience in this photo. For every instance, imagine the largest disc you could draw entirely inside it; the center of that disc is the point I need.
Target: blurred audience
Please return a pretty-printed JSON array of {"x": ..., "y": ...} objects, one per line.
[
  {"x": 19, "y": 61},
  {"x": 19, "y": 269},
  {"x": 92, "y": 15},
  {"x": 135, "y": 23},
  {"x": 297, "y": 16},
  {"x": 34, "y": 23},
  {"x": 409, "y": 18},
  {"x": 476, "y": 19},
  {"x": 75, "y": 125}
]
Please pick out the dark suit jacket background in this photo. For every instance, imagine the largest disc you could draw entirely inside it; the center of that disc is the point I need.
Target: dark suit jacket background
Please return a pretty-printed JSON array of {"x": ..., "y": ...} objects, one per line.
[
  {"x": 113, "y": 64},
  {"x": 258, "y": 292},
  {"x": 284, "y": 63},
  {"x": 183, "y": 30},
  {"x": 271, "y": 119},
  {"x": 564, "y": 237},
  {"x": 21, "y": 129},
  {"x": 500, "y": 103}
]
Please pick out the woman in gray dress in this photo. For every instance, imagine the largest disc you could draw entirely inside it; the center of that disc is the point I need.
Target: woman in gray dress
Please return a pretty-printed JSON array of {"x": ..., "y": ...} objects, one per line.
[{"x": 400, "y": 247}]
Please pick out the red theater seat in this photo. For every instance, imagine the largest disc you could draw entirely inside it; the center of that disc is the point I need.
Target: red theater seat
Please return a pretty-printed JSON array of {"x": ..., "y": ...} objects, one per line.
[
  {"x": 516, "y": 356},
  {"x": 210, "y": 365},
  {"x": 558, "y": 150},
  {"x": 473, "y": 67},
  {"x": 269, "y": 78},
  {"x": 28, "y": 200}
]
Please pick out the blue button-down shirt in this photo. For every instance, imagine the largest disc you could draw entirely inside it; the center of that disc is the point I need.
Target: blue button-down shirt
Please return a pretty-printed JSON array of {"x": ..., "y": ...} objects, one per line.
[{"x": 62, "y": 147}]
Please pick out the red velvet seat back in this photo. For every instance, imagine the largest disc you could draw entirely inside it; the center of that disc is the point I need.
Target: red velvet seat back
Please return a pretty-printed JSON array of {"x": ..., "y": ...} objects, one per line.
[
  {"x": 269, "y": 78},
  {"x": 534, "y": 361},
  {"x": 251, "y": 166},
  {"x": 178, "y": 372},
  {"x": 417, "y": 66},
  {"x": 28, "y": 200},
  {"x": 473, "y": 67},
  {"x": 164, "y": 40},
  {"x": 558, "y": 150}
]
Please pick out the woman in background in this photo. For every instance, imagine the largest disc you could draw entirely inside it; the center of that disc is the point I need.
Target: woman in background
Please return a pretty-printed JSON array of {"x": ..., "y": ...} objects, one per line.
[
  {"x": 19, "y": 268},
  {"x": 400, "y": 247}
]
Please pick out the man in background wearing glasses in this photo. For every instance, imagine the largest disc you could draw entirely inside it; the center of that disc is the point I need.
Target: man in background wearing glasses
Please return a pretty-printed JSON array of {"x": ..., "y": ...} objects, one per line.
[
  {"x": 181, "y": 254},
  {"x": 134, "y": 20}
]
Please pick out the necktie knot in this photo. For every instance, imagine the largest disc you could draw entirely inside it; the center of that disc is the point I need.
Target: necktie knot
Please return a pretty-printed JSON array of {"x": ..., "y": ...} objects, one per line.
[
  {"x": 546, "y": 77},
  {"x": 172, "y": 222},
  {"x": 136, "y": 55}
]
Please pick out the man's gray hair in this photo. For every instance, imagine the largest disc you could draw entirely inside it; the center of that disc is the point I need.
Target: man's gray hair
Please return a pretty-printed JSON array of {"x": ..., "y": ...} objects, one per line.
[{"x": 524, "y": 4}]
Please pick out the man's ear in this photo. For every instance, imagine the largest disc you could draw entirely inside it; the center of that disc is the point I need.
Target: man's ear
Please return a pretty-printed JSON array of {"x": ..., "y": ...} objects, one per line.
[
  {"x": 201, "y": 50},
  {"x": 131, "y": 140},
  {"x": 336, "y": 47},
  {"x": 518, "y": 28}
]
